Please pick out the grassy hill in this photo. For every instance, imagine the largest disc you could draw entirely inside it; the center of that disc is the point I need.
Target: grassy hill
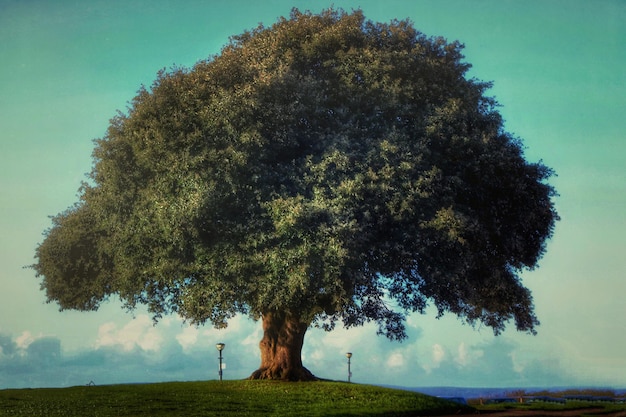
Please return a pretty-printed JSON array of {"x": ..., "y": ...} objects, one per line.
[{"x": 228, "y": 398}]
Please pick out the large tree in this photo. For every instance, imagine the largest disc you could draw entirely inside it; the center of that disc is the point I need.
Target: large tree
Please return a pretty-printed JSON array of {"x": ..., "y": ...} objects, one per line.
[{"x": 325, "y": 169}]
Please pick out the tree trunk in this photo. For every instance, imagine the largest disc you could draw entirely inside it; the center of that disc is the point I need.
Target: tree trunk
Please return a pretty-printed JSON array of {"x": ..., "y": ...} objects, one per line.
[{"x": 281, "y": 349}]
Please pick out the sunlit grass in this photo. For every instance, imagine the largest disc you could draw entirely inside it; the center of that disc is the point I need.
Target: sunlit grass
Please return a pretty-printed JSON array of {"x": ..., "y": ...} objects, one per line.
[{"x": 228, "y": 398}]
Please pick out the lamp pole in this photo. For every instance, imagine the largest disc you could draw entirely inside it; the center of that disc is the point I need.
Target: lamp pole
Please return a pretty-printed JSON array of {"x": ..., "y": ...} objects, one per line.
[
  {"x": 220, "y": 347},
  {"x": 349, "y": 355}
]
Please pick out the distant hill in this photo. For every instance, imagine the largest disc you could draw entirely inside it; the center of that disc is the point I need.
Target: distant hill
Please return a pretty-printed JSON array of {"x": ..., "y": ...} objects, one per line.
[{"x": 470, "y": 392}]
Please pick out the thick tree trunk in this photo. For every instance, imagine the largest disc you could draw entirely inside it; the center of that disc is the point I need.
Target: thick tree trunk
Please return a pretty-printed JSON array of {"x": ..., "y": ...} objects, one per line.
[{"x": 281, "y": 349}]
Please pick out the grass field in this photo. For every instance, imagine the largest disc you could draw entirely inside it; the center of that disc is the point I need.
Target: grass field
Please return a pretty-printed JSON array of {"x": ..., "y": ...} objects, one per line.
[
  {"x": 228, "y": 398},
  {"x": 588, "y": 402}
]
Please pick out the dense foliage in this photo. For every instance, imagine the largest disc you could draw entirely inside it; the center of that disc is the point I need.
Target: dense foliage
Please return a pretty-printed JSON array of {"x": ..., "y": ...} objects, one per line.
[{"x": 329, "y": 167}]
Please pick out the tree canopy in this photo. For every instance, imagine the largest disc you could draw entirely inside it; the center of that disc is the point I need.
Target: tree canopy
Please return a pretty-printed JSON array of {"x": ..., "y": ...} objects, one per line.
[{"x": 326, "y": 167}]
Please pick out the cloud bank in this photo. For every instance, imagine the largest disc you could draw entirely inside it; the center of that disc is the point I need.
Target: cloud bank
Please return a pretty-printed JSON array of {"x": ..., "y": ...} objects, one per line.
[{"x": 138, "y": 351}]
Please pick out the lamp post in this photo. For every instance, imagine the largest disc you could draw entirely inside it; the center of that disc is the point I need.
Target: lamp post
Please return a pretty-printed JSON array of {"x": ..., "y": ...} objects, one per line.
[
  {"x": 220, "y": 347},
  {"x": 349, "y": 355}
]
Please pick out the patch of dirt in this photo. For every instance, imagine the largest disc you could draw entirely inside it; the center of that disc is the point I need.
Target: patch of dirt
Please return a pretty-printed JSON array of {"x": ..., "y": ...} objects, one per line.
[{"x": 592, "y": 411}]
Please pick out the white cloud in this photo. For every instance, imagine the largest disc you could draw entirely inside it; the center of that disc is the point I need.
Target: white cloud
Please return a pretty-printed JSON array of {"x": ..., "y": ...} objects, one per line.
[
  {"x": 396, "y": 360},
  {"x": 253, "y": 338},
  {"x": 439, "y": 354},
  {"x": 139, "y": 332},
  {"x": 135, "y": 351},
  {"x": 467, "y": 356},
  {"x": 462, "y": 355},
  {"x": 188, "y": 337},
  {"x": 24, "y": 340},
  {"x": 324, "y": 352}
]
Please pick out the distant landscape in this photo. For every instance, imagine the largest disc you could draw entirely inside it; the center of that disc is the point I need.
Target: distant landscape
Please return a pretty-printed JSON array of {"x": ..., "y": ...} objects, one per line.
[{"x": 470, "y": 393}]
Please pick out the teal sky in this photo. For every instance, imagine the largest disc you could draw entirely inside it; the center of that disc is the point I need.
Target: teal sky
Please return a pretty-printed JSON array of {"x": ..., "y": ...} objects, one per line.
[{"x": 558, "y": 69}]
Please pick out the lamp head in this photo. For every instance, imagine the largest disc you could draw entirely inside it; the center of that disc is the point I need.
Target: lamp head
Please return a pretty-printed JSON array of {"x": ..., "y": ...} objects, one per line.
[
  {"x": 220, "y": 346},
  {"x": 349, "y": 355}
]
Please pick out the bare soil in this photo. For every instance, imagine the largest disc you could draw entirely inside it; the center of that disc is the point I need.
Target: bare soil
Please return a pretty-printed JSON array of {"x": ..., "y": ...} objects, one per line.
[{"x": 591, "y": 411}]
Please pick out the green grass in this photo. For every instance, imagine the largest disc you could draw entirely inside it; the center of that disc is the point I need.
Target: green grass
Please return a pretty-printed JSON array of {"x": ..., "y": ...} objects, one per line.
[{"x": 228, "y": 398}]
